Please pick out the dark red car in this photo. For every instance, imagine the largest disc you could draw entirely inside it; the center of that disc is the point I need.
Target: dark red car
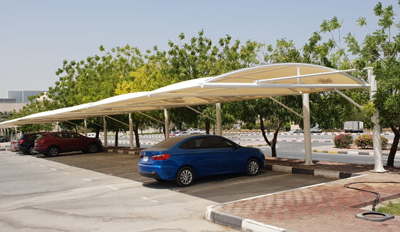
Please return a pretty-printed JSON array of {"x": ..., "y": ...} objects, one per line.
[{"x": 53, "y": 143}]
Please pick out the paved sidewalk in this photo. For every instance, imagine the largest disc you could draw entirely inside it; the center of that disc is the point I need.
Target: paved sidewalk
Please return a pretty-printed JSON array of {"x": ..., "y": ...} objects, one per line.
[{"x": 326, "y": 207}]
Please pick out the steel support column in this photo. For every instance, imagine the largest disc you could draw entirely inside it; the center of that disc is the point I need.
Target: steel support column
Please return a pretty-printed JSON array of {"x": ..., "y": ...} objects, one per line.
[
  {"x": 105, "y": 131},
  {"x": 376, "y": 133},
  {"x": 16, "y": 133},
  {"x": 166, "y": 124},
  {"x": 130, "y": 131},
  {"x": 85, "y": 126},
  {"x": 307, "y": 129},
  {"x": 219, "y": 120}
]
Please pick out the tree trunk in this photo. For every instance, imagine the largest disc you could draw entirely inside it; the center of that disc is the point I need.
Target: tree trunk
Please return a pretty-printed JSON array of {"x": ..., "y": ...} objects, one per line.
[
  {"x": 275, "y": 139},
  {"x": 136, "y": 131},
  {"x": 273, "y": 142},
  {"x": 116, "y": 139},
  {"x": 207, "y": 127},
  {"x": 97, "y": 132},
  {"x": 395, "y": 143},
  {"x": 262, "y": 128}
]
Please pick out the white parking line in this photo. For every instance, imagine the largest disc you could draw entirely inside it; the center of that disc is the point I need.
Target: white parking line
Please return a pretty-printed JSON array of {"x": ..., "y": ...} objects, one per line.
[
  {"x": 149, "y": 199},
  {"x": 111, "y": 187}
]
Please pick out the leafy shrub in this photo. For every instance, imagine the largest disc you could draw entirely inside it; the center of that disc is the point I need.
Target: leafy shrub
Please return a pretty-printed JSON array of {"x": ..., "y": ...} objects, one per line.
[
  {"x": 343, "y": 140},
  {"x": 366, "y": 141}
]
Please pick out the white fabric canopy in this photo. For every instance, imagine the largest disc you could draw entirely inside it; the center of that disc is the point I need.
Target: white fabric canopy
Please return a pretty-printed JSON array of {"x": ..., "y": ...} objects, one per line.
[{"x": 250, "y": 83}]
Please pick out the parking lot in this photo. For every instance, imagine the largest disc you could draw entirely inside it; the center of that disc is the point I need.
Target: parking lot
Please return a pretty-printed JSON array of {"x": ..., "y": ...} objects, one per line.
[
  {"x": 219, "y": 189},
  {"x": 104, "y": 192}
]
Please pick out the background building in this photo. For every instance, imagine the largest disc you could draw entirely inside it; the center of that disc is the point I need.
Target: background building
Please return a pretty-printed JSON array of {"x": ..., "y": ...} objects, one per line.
[{"x": 16, "y": 100}]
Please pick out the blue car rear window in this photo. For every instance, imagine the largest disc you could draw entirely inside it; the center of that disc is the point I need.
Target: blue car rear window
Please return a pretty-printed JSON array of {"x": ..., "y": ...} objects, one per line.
[{"x": 168, "y": 143}]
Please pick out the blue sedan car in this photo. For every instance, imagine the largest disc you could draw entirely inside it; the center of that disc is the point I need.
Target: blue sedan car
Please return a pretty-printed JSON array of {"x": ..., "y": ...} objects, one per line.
[{"x": 185, "y": 158}]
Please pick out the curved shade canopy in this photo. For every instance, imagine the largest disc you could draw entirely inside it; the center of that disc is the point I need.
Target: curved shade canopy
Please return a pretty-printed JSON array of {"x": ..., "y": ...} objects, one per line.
[{"x": 250, "y": 83}]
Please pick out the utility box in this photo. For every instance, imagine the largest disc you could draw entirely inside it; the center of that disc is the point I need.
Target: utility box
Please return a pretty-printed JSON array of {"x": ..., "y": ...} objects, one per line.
[{"x": 353, "y": 126}]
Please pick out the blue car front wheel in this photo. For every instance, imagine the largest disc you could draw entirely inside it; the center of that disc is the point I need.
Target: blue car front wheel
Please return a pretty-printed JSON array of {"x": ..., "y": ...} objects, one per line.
[
  {"x": 185, "y": 177},
  {"x": 252, "y": 167}
]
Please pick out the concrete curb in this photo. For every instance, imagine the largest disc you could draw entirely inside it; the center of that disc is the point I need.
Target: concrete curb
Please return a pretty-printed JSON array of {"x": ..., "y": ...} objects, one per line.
[
  {"x": 238, "y": 223},
  {"x": 370, "y": 153},
  {"x": 3, "y": 147},
  {"x": 304, "y": 171},
  {"x": 244, "y": 224},
  {"x": 123, "y": 151},
  {"x": 290, "y": 140}
]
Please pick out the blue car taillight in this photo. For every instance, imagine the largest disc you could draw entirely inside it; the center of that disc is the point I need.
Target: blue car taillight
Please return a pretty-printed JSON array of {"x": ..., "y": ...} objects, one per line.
[{"x": 161, "y": 157}]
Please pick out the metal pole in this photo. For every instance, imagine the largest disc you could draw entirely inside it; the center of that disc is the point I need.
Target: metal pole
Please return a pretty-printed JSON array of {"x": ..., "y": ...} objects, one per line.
[
  {"x": 85, "y": 126},
  {"x": 307, "y": 129},
  {"x": 130, "y": 131},
  {"x": 376, "y": 133},
  {"x": 150, "y": 117},
  {"x": 105, "y": 131},
  {"x": 286, "y": 107},
  {"x": 166, "y": 124},
  {"x": 117, "y": 120},
  {"x": 348, "y": 99},
  {"x": 306, "y": 124},
  {"x": 201, "y": 113},
  {"x": 219, "y": 121}
]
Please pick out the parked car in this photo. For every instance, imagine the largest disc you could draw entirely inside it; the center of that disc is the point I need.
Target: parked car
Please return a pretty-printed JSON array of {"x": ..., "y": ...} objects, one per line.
[
  {"x": 27, "y": 142},
  {"x": 181, "y": 133},
  {"x": 296, "y": 131},
  {"x": 315, "y": 130},
  {"x": 13, "y": 145},
  {"x": 53, "y": 143},
  {"x": 185, "y": 158},
  {"x": 4, "y": 139}
]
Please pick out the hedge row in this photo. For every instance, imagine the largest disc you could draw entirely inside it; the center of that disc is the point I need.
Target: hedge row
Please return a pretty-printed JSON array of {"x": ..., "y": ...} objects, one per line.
[{"x": 363, "y": 141}]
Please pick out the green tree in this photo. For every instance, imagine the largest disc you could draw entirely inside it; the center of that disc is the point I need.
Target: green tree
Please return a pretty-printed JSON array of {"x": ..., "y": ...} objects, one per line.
[
  {"x": 381, "y": 50},
  {"x": 147, "y": 77},
  {"x": 94, "y": 79},
  {"x": 199, "y": 57}
]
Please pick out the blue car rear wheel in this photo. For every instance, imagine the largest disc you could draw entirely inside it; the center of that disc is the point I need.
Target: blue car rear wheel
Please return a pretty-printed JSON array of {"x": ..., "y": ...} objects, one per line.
[{"x": 185, "y": 177}]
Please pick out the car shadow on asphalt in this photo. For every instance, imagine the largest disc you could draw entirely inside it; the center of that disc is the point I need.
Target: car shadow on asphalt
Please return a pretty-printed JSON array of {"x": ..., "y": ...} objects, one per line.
[{"x": 199, "y": 181}]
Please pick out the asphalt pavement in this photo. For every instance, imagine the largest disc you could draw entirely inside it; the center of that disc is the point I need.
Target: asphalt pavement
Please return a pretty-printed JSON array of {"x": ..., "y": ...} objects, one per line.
[
  {"x": 37, "y": 195},
  {"x": 328, "y": 206}
]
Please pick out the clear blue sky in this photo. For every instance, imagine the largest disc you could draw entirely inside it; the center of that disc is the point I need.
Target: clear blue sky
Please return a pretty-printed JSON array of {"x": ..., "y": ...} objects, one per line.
[{"x": 36, "y": 36}]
